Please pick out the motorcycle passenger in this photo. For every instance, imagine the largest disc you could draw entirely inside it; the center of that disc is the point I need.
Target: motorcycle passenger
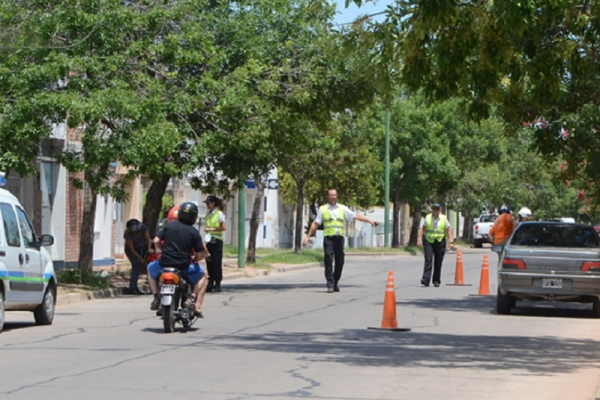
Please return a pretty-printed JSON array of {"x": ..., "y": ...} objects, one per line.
[
  {"x": 502, "y": 229},
  {"x": 176, "y": 241},
  {"x": 524, "y": 215}
]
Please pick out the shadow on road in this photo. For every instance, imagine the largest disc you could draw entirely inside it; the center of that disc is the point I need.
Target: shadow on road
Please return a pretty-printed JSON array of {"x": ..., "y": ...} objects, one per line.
[
  {"x": 178, "y": 329},
  {"x": 487, "y": 305},
  {"x": 10, "y": 326},
  {"x": 536, "y": 355}
]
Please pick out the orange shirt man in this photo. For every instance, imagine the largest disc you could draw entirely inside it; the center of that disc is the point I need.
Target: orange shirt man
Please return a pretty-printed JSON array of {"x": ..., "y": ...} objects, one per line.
[{"x": 503, "y": 227}]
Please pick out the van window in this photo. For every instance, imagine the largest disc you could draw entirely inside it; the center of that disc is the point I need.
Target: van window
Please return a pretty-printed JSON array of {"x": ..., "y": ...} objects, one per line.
[
  {"x": 29, "y": 239},
  {"x": 11, "y": 227}
]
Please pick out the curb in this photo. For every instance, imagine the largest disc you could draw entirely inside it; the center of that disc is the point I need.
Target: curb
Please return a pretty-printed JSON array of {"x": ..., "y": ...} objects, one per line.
[{"x": 71, "y": 298}]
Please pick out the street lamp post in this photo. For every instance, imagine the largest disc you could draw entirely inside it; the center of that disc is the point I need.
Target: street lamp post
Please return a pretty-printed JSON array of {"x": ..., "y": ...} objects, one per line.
[
  {"x": 242, "y": 227},
  {"x": 386, "y": 200}
]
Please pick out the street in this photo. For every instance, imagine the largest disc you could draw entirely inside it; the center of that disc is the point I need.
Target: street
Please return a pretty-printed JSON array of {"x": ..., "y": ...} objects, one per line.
[{"x": 283, "y": 336}]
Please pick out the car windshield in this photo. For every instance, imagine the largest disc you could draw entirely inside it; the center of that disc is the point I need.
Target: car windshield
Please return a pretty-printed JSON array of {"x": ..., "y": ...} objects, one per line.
[
  {"x": 555, "y": 235},
  {"x": 488, "y": 218}
]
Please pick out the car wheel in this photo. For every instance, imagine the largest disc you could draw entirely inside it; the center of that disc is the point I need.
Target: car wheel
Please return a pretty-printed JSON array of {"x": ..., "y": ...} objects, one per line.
[
  {"x": 478, "y": 243},
  {"x": 596, "y": 308},
  {"x": 1, "y": 311},
  {"x": 44, "y": 313},
  {"x": 504, "y": 303}
]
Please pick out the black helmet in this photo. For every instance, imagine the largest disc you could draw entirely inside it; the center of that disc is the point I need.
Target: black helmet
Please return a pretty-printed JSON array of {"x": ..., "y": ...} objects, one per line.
[
  {"x": 188, "y": 213},
  {"x": 133, "y": 225}
]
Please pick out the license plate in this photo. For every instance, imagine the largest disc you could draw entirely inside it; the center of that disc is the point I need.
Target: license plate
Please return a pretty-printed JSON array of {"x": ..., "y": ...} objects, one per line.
[
  {"x": 167, "y": 289},
  {"x": 552, "y": 283}
]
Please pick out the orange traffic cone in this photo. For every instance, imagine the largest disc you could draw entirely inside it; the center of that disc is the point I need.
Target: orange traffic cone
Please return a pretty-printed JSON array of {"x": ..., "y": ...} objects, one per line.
[
  {"x": 389, "y": 321},
  {"x": 458, "y": 277},
  {"x": 484, "y": 283}
]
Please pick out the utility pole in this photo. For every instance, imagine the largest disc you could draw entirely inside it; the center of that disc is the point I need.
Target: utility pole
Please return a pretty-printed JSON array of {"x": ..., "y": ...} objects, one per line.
[
  {"x": 242, "y": 226},
  {"x": 386, "y": 230}
]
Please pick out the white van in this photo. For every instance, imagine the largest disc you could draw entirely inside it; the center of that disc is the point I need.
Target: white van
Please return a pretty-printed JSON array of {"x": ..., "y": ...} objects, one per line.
[{"x": 27, "y": 278}]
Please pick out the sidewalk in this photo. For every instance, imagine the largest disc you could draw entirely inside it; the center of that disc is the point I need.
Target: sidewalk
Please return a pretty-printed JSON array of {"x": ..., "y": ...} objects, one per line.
[{"x": 230, "y": 272}]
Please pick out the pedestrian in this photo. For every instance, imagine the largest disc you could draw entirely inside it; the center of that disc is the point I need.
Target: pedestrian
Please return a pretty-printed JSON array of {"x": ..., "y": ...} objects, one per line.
[
  {"x": 333, "y": 215},
  {"x": 137, "y": 245},
  {"x": 502, "y": 229},
  {"x": 214, "y": 222},
  {"x": 435, "y": 228}
]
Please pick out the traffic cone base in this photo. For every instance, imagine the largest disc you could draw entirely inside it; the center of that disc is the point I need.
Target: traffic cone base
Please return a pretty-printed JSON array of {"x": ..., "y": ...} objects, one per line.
[{"x": 389, "y": 322}]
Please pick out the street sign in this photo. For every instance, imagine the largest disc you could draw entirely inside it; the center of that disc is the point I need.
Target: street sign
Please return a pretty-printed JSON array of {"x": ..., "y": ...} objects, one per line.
[{"x": 273, "y": 184}]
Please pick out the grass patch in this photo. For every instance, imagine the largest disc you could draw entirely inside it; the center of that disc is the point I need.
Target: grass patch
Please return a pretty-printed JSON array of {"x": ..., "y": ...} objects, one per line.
[
  {"x": 289, "y": 257},
  {"x": 83, "y": 277}
]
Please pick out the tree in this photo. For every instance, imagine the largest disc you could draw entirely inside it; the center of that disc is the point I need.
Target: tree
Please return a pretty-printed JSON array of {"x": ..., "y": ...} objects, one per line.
[{"x": 536, "y": 59}]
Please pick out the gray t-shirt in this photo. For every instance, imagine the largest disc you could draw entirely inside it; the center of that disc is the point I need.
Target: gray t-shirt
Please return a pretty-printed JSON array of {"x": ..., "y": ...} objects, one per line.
[{"x": 139, "y": 240}]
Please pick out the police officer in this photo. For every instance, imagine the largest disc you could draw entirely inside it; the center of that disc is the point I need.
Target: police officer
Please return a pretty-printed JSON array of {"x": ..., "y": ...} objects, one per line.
[
  {"x": 436, "y": 228},
  {"x": 214, "y": 222},
  {"x": 332, "y": 215}
]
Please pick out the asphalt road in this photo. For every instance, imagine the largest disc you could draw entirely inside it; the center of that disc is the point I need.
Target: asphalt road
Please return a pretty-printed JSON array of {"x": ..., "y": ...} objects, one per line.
[{"x": 283, "y": 337}]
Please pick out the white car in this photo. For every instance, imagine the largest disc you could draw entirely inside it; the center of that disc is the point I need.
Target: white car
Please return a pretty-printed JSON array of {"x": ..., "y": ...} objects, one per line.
[
  {"x": 482, "y": 228},
  {"x": 27, "y": 278}
]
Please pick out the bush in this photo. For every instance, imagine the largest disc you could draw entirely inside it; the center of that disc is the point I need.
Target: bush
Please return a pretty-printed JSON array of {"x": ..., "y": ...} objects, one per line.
[{"x": 83, "y": 277}]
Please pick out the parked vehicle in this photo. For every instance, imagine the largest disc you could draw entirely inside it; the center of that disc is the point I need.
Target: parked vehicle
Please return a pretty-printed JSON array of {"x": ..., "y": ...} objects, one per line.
[
  {"x": 482, "y": 229},
  {"x": 550, "y": 261},
  {"x": 175, "y": 290},
  {"x": 27, "y": 278}
]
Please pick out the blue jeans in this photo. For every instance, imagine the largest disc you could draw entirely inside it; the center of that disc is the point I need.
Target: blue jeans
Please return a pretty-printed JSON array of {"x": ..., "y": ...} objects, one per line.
[{"x": 136, "y": 265}]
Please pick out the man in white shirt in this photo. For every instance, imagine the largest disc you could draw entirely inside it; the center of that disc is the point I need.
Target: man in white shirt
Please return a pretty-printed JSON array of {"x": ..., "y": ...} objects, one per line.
[{"x": 332, "y": 215}]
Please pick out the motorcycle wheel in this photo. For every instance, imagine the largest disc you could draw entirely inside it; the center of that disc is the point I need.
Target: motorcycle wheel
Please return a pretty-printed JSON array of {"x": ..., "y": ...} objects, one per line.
[{"x": 169, "y": 319}]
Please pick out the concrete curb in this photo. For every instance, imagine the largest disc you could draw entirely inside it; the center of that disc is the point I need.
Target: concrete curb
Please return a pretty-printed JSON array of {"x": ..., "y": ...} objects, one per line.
[{"x": 71, "y": 298}]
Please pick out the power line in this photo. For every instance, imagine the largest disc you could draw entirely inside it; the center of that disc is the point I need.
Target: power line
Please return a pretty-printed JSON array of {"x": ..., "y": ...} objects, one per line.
[{"x": 66, "y": 46}]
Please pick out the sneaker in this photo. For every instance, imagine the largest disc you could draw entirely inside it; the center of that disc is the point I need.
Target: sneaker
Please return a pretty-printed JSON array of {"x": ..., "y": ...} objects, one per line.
[
  {"x": 189, "y": 304},
  {"x": 425, "y": 284},
  {"x": 436, "y": 284},
  {"x": 155, "y": 303}
]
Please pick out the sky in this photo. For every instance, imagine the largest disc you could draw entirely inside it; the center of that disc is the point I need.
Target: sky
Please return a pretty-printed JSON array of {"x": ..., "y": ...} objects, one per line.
[{"x": 352, "y": 12}]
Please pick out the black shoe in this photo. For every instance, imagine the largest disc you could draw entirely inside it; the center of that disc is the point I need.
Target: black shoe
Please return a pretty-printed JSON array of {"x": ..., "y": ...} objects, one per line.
[
  {"x": 436, "y": 284},
  {"x": 329, "y": 290},
  {"x": 217, "y": 289},
  {"x": 425, "y": 284},
  {"x": 336, "y": 288},
  {"x": 135, "y": 291}
]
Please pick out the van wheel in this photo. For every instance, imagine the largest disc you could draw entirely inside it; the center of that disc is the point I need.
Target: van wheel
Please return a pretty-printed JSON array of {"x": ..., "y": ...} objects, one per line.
[
  {"x": 596, "y": 308},
  {"x": 504, "y": 303},
  {"x": 44, "y": 313},
  {"x": 1, "y": 311},
  {"x": 478, "y": 243}
]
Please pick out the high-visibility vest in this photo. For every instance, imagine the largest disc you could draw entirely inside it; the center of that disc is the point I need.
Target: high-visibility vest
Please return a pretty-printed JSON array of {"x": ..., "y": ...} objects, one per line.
[
  {"x": 212, "y": 221},
  {"x": 334, "y": 225},
  {"x": 435, "y": 235}
]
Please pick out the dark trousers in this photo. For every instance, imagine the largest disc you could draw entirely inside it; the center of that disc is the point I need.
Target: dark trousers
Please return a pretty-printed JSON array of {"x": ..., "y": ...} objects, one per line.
[
  {"x": 136, "y": 265},
  {"x": 214, "y": 263},
  {"x": 334, "y": 250},
  {"x": 434, "y": 254}
]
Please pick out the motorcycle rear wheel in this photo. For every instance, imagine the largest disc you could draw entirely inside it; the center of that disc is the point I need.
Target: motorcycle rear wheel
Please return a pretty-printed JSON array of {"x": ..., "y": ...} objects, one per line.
[{"x": 169, "y": 319}]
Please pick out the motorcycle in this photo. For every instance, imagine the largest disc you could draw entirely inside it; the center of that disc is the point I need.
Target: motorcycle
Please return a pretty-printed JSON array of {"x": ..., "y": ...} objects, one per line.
[{"x": 174, "y": 291}]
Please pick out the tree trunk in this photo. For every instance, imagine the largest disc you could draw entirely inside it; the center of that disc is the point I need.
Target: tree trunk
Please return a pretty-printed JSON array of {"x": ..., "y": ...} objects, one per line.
[
  {"x": 396, "y": 219},
  {"x": 153, "y": 206},
  {"x": 416, "y": 225},
  {"x": 299, "y": 210},
  {"x": 468, "y": 227},
  {"x": 260, "y": 192},
  {"x": 86, "y": 240}
]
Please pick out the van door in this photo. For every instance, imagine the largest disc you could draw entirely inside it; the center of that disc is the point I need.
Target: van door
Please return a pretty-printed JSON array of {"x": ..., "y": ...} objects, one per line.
[
  {"x": 33, "y": 283},
  {"x": 12, "y": 253}
]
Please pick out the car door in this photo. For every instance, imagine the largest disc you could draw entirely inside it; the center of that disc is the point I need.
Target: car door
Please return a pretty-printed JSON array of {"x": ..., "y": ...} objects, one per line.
[{"x": 32, "y": 266}]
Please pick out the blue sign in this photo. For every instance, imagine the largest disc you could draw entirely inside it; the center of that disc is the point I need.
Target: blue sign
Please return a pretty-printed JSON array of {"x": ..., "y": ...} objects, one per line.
[{"x": 273, "y": 184}]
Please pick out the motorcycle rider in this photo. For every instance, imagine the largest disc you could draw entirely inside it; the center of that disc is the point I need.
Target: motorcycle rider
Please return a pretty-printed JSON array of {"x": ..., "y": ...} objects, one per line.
[{"x": 176, "y": 241}]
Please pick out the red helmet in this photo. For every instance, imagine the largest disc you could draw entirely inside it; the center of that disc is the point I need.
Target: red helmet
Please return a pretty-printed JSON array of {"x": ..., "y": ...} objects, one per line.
[{"x": 173, "y": 214}]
